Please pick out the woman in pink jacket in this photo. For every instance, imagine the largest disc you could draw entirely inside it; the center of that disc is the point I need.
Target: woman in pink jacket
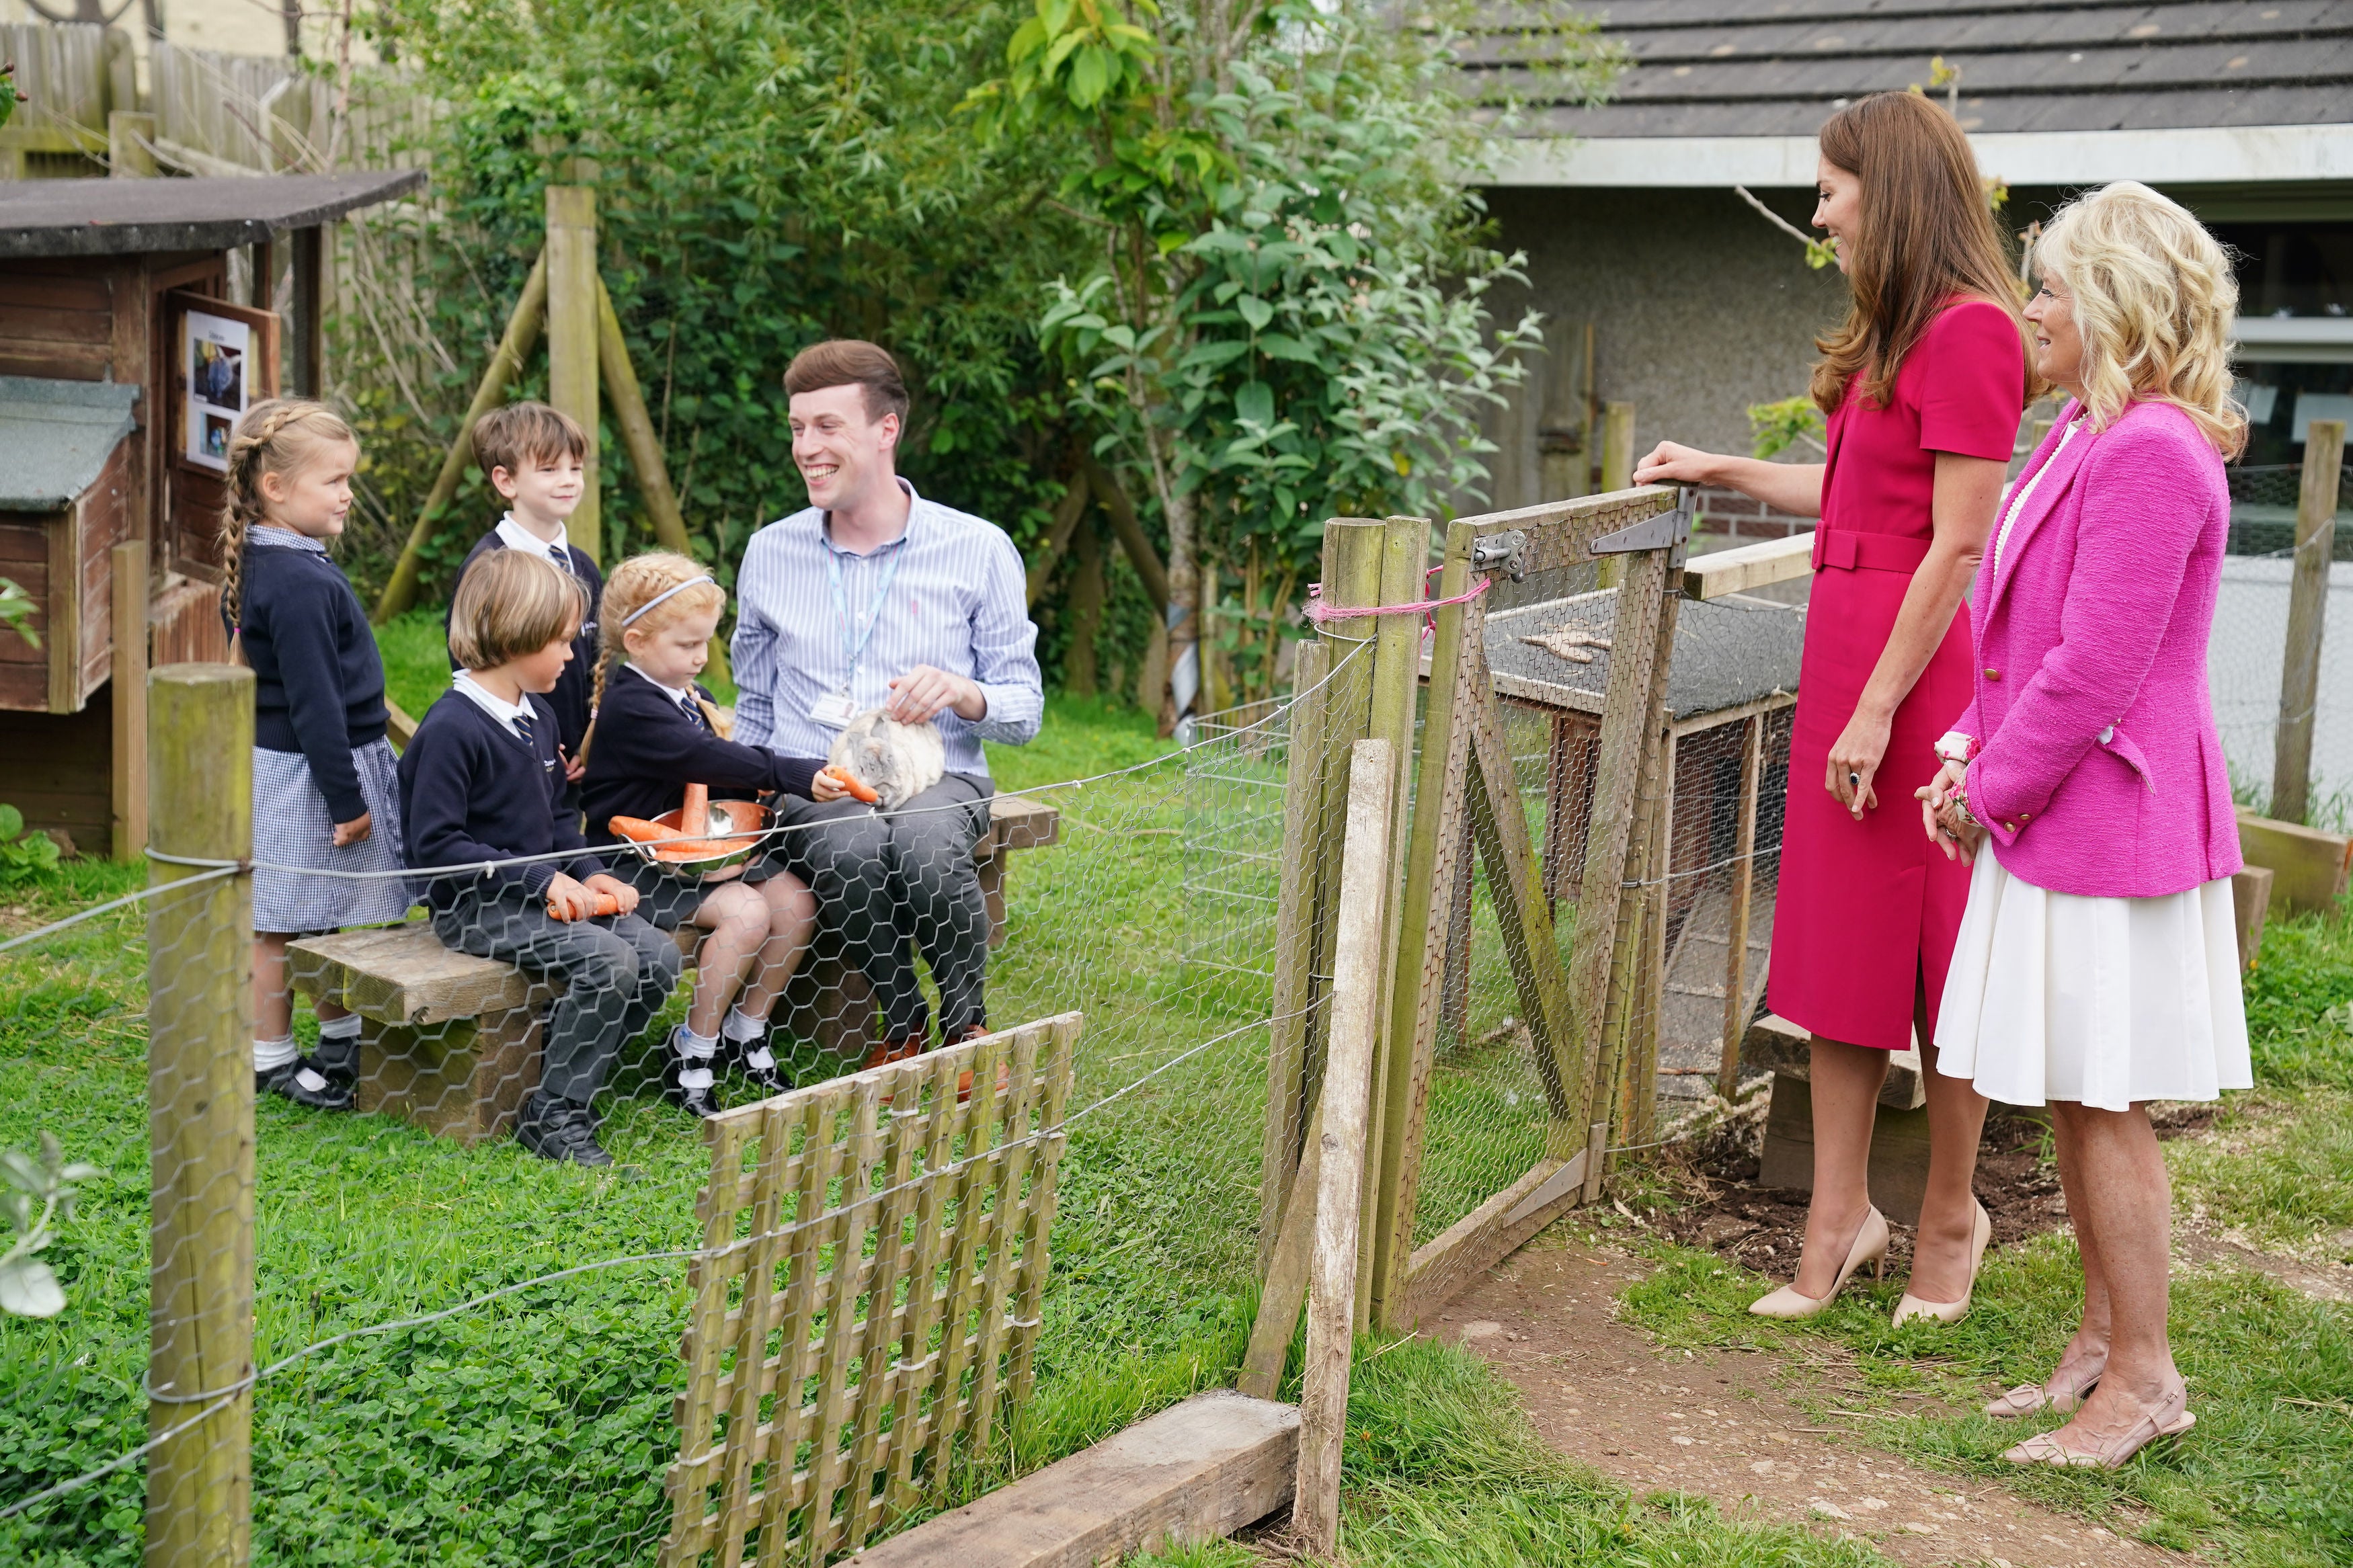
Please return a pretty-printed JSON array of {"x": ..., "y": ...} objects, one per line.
[{"x": 2096, "y": 968}]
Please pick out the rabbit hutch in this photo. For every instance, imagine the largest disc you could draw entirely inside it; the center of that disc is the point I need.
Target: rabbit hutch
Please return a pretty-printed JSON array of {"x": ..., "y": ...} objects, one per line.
[
  {"x": 138, "y": 318},
  {"x": 1708, "y": 873}
]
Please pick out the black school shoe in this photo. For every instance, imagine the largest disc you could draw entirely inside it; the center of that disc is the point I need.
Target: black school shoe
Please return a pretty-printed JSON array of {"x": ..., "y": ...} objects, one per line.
[
  {"x": 558, "y": 1129},
  {"x": 766, "y": 1079},
  {"x": 301, "y": 1082},
  {"x": 702, "y": 1102}
]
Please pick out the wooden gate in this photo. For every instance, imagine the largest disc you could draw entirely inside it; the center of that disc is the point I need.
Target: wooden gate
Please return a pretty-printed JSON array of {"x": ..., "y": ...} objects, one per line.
[
  {"x": 867, "y": 1304},
  {"x": 1360, "y": 679}
]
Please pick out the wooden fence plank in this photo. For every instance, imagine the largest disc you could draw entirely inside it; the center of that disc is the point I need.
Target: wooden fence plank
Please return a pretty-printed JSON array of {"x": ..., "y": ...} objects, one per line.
[
  {"x": 1357, "y": 995},
  {"x": 2308, "y": 608},
  {"x": 1744, "y": 882},
  {"x": 1295, "y": 921}
]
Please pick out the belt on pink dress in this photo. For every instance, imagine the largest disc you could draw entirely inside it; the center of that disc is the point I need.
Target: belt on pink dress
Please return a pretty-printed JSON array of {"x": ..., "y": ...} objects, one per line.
[{"x": 1847, "y": 550}]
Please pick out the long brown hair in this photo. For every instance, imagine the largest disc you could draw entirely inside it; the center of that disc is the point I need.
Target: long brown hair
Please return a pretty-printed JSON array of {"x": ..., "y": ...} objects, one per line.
[{"x": 1927, "y": 233}]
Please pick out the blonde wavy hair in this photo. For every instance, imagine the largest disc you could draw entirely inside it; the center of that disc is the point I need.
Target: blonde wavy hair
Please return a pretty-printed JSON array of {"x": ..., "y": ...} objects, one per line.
[
  {"x": 635, "y": 583},
  {"x": 2153, "y": 296}
]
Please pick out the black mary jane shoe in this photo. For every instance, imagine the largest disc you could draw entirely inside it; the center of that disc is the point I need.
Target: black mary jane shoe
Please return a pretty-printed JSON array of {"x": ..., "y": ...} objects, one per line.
[
  {"x": 559, "y": 1131},
  {"x": 702, "y": 1102},
  {"x": 768, "y": 1081},
  {"x": 301, "y": 1082}
]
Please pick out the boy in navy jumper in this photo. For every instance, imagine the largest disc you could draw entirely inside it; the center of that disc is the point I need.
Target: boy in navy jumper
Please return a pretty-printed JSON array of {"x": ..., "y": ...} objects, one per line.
[
  {"x": 481, "y": 782},
  {"x": 534, "y": 457}
]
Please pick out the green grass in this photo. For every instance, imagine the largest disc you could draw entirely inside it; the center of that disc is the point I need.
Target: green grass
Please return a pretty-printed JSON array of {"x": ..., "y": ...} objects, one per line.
[
  {"x": 1441, "y": 1467},
  {"x": 2267, "y": 1476}
]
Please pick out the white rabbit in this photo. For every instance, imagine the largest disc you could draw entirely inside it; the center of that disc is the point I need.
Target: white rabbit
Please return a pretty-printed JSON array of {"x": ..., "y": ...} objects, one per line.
[{"x": 897, "y": 761}]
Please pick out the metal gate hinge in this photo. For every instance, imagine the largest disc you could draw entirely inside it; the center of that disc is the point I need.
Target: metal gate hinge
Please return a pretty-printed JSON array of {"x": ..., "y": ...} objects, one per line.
[
  {"x": 1670, "y": 530},
  {"x": 1507, "y": 550}
]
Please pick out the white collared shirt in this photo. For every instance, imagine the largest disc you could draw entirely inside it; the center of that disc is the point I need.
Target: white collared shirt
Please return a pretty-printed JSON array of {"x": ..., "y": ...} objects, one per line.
[
  {"x": 515, "y": 536},
  {"x": 491, "y": 704}
]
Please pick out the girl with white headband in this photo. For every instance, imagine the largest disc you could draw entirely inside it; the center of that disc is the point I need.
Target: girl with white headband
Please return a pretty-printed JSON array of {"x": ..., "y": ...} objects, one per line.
[{"x": 655, "y": 732}]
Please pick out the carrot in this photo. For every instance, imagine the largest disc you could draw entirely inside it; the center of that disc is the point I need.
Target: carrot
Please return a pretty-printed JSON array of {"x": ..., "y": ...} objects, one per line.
[
  {"x": 694, "y": 815},
  {"x": 638, "y": 829},
  {"x": 606, "y": 904},
  {"x": 858, "y": 788}
]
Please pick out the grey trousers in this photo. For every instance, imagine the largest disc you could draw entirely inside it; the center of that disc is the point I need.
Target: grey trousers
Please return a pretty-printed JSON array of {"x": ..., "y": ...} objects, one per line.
[
  {"x": 885, "y": 878},
  {"x": 616, "y": 972}
]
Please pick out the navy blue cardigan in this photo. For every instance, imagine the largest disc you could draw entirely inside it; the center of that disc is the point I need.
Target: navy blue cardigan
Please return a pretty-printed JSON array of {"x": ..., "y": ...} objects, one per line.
[
  {"x": 471, "y": 790},
  {"x": 647, "y": 751},
  {"x": 318, "y": 681}
]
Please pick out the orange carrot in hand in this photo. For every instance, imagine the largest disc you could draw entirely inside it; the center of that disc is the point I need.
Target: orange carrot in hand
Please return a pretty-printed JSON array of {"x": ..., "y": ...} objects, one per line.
[
  {"x": 606, "y": 904},
  {"x": 856, "y": 787}
]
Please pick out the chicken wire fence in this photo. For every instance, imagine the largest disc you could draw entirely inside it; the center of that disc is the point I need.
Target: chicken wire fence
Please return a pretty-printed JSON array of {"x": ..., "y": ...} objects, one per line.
[
  {"x": 463, "y": 1350},
  {"x": 2247, "y": 650}
]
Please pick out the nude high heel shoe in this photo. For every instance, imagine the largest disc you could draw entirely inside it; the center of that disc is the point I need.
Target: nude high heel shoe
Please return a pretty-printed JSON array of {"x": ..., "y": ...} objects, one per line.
[
  {"x": 1911, "y": 1307},
  {"x": 1869, "y": 1247}
]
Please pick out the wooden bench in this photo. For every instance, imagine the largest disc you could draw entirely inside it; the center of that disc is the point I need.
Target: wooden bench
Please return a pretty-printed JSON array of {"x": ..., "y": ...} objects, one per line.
[{"x": 451, "y": 1043}]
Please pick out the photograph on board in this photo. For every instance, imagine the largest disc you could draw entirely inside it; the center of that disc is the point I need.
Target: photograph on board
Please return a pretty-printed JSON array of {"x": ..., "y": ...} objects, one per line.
[{"x": 214, "y": 362}]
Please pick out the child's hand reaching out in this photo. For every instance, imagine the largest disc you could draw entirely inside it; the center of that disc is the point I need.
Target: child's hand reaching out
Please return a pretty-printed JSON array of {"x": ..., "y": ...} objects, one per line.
[{"x": 356, "y": 831}]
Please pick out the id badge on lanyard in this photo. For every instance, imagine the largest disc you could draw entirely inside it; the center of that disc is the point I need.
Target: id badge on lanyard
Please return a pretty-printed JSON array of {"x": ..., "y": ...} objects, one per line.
[{"x": 837, "y": 708}]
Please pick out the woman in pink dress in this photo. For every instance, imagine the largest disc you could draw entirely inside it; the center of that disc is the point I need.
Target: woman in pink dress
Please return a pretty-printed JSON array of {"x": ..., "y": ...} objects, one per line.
[{"x": 1923, "y": 386}]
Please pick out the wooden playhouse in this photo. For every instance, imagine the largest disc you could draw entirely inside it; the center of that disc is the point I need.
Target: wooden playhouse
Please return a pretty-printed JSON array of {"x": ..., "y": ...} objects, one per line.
[{"x": 138, "y": 318}]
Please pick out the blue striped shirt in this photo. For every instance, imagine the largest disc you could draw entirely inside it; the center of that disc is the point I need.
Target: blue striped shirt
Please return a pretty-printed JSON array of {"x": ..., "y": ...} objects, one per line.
[{"x": 957, "y": 602}]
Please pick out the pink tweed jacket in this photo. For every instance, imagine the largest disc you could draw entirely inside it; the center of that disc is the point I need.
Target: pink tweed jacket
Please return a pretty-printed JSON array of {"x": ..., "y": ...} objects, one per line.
[{"x": 2099, "y": 770}]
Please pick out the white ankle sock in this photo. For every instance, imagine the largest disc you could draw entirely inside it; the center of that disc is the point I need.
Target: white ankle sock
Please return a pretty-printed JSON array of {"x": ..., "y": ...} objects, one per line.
[
  {"x": 346, "y": 1027},
  {"x": 740, "y": 1029},
  {"x": 270, "y": 1055},
  {"x": 695, "y": 1054}
]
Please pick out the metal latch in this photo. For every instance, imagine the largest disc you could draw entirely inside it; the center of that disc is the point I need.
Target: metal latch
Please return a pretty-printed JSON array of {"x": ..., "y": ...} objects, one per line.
[
  {"x": 1669, "y": 530},
  {"x": 1507, "y": 550}
]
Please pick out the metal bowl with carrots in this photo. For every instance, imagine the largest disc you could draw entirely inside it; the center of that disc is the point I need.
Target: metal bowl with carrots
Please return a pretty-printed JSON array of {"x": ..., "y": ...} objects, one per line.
[{"x": 701, "y": 837}]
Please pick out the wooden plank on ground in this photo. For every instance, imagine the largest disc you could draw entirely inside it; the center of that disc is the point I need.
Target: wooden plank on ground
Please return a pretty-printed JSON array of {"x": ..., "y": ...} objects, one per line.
[
  {"x": 1197, "y": 1471},
  {"x": 1489, "y": 1234}
]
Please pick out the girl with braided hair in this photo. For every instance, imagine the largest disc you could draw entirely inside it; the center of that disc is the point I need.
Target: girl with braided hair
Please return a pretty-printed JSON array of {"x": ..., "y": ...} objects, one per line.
[
  {"x": 656, "y": 731},
  {"x": 324, "y": 783}
]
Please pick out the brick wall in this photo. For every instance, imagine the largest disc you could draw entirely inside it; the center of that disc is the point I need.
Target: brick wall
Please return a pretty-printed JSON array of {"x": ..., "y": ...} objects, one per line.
[{"x": 1732, "y": 515}]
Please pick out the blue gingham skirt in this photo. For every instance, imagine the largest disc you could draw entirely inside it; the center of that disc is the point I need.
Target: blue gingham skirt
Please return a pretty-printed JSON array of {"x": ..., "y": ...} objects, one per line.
[{"x": 293, "y": 828}]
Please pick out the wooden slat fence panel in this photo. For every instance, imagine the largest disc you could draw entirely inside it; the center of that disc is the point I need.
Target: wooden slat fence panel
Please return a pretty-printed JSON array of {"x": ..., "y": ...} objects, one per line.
[
  {"x": 62, "y": 77},
  {"x": 875, "y": 1255}
]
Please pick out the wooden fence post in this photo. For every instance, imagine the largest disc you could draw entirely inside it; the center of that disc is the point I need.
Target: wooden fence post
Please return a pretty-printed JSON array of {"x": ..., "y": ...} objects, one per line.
[
  {"x": 1617, "y": 472},
  {"x": 129, "y": 699},
  {"x": 1357, "y": 995},
  {"x": 1294, "y": 918},
  {"x": 1744, "y": 883},
  {"x": 2307, "y": 613},
  {"x": 200, "y": 1121},
  {"x": 522, "y": 331},
  {"x": 572, "y": 288}
]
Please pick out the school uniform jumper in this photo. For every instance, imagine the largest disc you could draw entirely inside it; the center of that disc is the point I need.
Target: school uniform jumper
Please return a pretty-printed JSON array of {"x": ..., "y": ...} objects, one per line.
[
  {"x": 569, "y": 699},
  {"x": 1867, "y": 911},
  {"x": 320, "y": 756},
  {"x": 651, "y": 742},
  {"x": 481, "y": 785}
]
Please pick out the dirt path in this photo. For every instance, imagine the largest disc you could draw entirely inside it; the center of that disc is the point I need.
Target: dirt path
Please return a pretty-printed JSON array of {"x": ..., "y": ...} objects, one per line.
[{"x": 1717, "y": 1423}]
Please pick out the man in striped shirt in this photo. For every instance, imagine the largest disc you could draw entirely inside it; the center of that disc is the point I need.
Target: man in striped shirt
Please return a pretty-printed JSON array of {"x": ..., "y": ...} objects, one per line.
[{"x": 874, "y": 597}]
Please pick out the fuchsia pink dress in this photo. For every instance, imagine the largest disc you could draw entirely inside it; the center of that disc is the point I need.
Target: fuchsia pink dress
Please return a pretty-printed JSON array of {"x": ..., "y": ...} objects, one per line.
[{"x": 1866, "y": 912}]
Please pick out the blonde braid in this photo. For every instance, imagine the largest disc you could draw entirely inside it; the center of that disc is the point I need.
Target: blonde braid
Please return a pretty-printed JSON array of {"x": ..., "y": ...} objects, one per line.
[{"x": 262, "y": 444}]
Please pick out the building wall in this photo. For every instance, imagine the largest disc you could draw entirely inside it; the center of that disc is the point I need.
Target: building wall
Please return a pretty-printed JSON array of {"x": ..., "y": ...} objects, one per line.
[{"x": 1700, "y": 308}]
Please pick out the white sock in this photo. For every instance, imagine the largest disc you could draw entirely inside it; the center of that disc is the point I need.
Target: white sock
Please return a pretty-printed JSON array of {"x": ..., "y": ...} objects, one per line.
[
  {"x": 269, "y": 1056},
  {"x": 740, "y": 1029},
  {"x": 695, "y": 1054},
  {"x": 346, "y": 1027}
]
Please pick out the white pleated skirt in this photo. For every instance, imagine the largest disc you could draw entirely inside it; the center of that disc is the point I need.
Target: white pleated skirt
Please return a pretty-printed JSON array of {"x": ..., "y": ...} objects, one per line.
[{"x": 2104, "y": 1002}]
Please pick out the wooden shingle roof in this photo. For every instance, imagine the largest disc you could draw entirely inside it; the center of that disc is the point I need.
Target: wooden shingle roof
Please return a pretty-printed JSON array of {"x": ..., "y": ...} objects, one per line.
[{"x": 1779, "y": 67}]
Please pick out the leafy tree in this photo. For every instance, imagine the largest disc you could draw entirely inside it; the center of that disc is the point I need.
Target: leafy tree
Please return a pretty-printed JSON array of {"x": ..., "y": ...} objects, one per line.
[
  {"x": 768, "y": 176},
  {"x": 1286, "y": 317}
]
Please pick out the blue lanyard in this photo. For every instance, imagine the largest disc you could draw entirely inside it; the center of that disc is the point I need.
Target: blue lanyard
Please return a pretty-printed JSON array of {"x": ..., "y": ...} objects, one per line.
[{"x": 853, "y": 642}]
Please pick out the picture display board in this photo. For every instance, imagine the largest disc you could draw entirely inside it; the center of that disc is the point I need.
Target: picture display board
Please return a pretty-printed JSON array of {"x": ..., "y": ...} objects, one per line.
[{"x": 221, "y": 359}]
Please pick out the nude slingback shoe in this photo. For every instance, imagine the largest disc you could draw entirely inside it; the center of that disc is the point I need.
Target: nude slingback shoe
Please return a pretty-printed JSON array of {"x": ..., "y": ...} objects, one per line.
[
  {"x": 2062, "y": 1392},
  {"x": 1869, "y": 1247},
  {"x": 2169, "y": 1419},
  {"x": 1911, "y": 1307}
]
